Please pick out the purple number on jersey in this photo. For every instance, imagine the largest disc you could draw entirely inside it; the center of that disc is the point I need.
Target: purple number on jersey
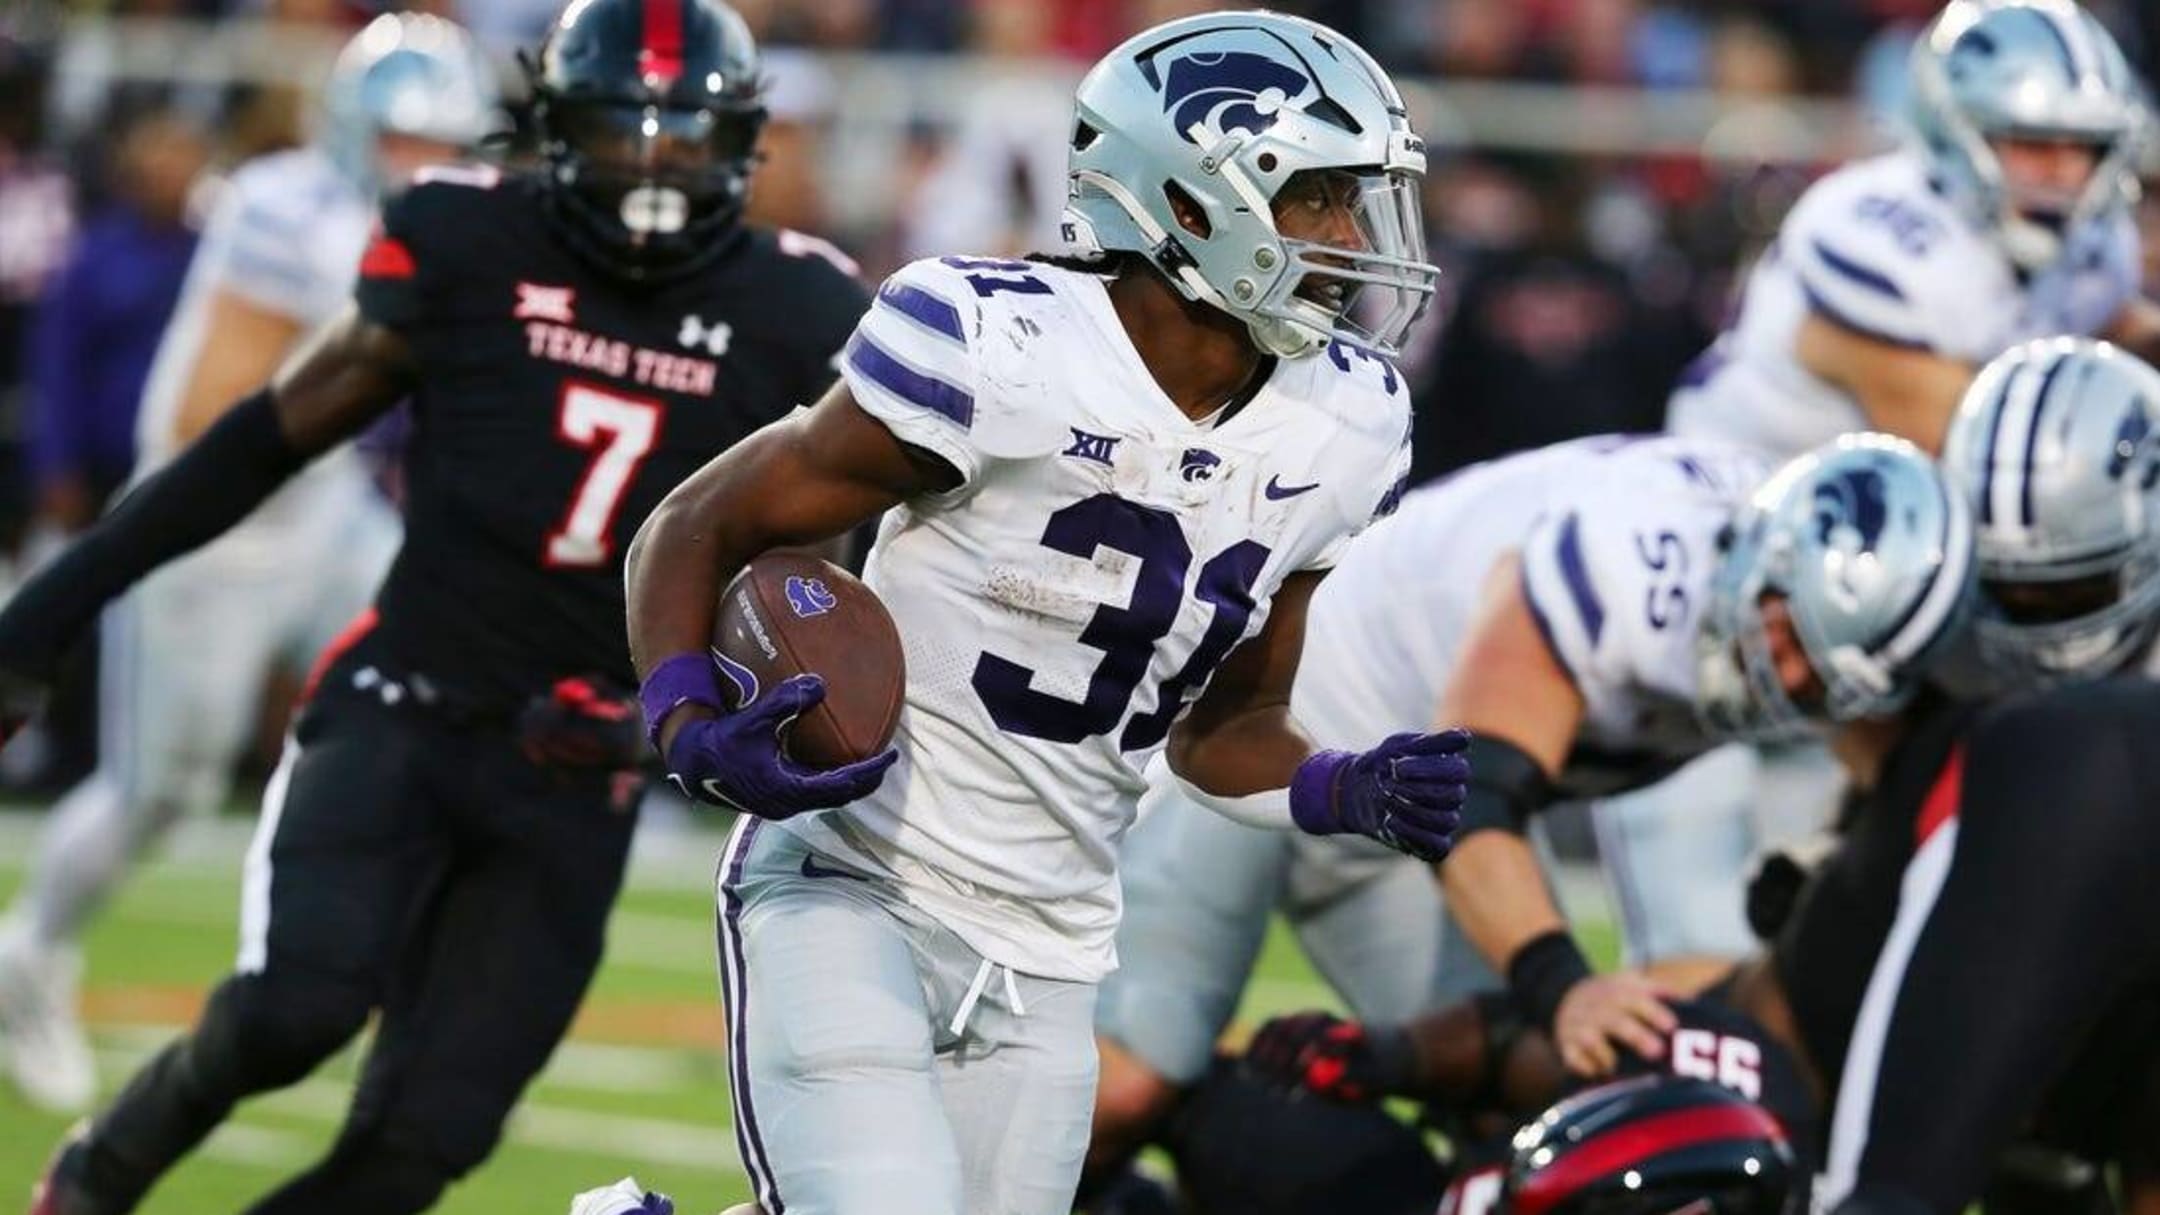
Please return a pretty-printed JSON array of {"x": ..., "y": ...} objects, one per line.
[
  {"x": 1015, "y": 277},
  {"x": 1666, "y": 555},
  {"x": 1127, "y": 635}
]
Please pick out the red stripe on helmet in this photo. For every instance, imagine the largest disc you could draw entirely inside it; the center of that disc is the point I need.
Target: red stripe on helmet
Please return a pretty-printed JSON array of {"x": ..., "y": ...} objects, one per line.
[
  {"x": 1943, "y": 799},
  {"x": 660, "y": 59},
  {"x": 1626, "y": 1146}
]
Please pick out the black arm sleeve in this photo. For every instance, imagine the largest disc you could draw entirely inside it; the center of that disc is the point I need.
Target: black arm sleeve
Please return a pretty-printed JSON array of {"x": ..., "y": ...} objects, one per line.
[
  {"x": 212, "y": 485},
  {"x": 1506, "y": 787}
]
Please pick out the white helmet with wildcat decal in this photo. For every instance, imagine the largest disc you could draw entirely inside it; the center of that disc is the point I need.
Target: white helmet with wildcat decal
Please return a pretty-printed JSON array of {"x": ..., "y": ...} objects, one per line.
[{"x": 1214, "y": 116}]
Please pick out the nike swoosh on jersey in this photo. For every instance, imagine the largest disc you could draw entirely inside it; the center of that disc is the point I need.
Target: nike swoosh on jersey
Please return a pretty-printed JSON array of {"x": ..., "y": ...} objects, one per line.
[
  {"x": 811, "y": 869},
  {"x": 1276, "y": 491}
]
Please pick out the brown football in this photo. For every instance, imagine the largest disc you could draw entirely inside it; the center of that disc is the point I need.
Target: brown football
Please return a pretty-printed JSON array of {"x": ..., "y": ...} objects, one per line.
[{"x": 787, "y": 614}]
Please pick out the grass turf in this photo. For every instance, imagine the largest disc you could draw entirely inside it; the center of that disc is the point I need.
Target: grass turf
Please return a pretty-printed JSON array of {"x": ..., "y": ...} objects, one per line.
[{"x": 640, "y": 1088}]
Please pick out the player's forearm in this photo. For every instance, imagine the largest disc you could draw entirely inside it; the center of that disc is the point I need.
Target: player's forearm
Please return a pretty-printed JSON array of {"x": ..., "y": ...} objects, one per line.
[
  {"x": 1480, "y": 1051},
  {"x": 1254, "y": 751},
  {"x": 1496, "y": 891},
  {"x": 1902, "y": 391},
  {"x": 693, "y": 543},
  {"x": 211, "y": 486},
  {"x": 1241, "y": 767},
  {"x": 1919, "y": 409}
]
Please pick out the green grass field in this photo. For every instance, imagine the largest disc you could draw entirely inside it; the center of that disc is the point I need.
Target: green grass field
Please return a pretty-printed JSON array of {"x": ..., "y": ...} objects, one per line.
[{"x": 640, "y": 1088}]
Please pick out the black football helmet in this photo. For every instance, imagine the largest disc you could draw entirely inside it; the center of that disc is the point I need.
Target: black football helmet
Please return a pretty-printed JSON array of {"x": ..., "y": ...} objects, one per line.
[
  {"x": 648, "y": 113},
  {"x": 1654, "y": 1145}
]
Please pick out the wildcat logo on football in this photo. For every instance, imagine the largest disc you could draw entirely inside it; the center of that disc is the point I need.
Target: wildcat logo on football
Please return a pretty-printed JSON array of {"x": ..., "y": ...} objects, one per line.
[{"x": 809, "y": 597}]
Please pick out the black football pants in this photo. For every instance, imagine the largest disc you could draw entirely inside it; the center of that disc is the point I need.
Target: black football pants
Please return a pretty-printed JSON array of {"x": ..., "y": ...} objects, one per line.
[
  {"x": 407, "y": 866},
  {"x": 2022, "y": 924}
]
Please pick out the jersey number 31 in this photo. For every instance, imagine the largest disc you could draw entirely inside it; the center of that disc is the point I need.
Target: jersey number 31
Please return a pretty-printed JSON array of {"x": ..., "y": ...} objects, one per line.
[{"x": 1127, "y": 635}]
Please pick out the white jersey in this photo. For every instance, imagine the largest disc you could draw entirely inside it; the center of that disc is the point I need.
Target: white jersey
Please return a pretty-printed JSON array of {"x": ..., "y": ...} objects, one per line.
[
  {"x": 1618, "y": 538},
  {"x": 1058, "y": 609},
  {"x": 286, "y": 236},
  {"x": 1874, "y": 248}
]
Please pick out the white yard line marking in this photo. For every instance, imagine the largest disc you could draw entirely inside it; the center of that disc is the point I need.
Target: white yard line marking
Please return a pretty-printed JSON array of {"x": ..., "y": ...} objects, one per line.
[{"x": 633, "y": 1139}]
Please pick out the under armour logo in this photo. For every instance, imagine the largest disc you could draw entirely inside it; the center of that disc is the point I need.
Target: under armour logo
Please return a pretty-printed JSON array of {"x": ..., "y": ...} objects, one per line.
[
  {"x": 714, "y": 337},
  {"x": 1096, "y": 448},
  {"x": 536, "y": 302},
  {"x": 1198, "y": 465}
]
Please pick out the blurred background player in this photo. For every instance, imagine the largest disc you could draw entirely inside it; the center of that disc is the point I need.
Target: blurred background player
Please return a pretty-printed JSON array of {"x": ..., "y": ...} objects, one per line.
[
  {"x": 187, "y": 655},
  {"x": 2006, "y": 216},
  {"x": 1629, "y": 604},
  {"x": 94, "y": 337},
  {"x": 443, "y": 841},
  {"x": 1113, "y": 483}
]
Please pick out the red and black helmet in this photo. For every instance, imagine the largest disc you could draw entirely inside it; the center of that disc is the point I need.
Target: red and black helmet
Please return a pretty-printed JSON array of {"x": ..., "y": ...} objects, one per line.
[
  {"x": 648, "y": 112},
  {"x": 1654, "y": 1145}
]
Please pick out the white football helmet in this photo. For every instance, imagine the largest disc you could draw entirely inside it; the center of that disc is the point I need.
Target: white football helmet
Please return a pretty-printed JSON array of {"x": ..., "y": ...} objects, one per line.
[
  {"x": 1218, "y": 114},
  {"x": 2025, "y": 69},
  {"x": 2056, "y": 446}
]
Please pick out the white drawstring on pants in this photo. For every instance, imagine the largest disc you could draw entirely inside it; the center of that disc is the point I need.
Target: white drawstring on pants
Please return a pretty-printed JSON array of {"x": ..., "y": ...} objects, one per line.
[{"x": 975, "y": 994}]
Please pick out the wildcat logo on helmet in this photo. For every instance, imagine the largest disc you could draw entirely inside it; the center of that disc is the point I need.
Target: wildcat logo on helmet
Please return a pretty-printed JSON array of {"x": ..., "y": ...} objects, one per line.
[
  {"x": 1851, "y": 513},
  {"x": 1851, "y": 510},
  {"x": 809, "y": 597},
  {"x": 2133, "y": 443},
  {"x": 1224, "y": 91}
]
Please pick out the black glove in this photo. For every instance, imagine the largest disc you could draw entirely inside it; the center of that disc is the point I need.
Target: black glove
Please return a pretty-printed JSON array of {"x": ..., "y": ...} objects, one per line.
[
  {"x": 582, "y": 724},
  {"x": 1340, "y": 1060}
]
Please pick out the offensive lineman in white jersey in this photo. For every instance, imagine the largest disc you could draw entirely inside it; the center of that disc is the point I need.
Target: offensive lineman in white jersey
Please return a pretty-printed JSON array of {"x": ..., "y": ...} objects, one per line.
[
  {"x": 1103, "y": 477},
  {"x": 186, "y": 655},
  {"x": 2005, "y": 218},
  {"x": 1589, "y": 610}
]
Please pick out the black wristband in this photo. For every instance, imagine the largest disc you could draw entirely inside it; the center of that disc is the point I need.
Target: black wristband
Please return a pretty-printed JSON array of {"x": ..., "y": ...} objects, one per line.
[{"x": 1541, "y": 973}]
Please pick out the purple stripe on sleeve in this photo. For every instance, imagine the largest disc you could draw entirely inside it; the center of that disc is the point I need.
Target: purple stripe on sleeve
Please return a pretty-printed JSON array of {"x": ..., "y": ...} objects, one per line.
[
  {"x": 1852, "y": 271},
  {"x": 1587, "y": 604},
  {"x": 874, "y": 363},
  {"x": 923, "y": 307}
]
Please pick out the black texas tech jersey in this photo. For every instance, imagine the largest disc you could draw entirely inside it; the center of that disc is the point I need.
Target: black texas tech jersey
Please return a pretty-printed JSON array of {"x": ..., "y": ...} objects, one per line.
[{"x": 556, "y": 406}]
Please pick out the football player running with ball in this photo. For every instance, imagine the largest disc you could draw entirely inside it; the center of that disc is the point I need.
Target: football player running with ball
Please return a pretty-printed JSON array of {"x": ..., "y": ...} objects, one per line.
[
  {"x": 447, "y": 832},
  {"x": 1112, "y": 485}
]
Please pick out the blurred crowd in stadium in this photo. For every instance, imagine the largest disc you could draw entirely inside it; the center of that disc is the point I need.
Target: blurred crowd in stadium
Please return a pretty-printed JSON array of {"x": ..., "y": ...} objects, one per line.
[{"x": 1579, "y": 281}]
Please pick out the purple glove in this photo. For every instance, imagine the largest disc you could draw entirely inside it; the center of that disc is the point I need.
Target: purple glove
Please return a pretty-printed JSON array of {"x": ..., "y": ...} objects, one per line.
[
  {"x": 1407, "y": 792},
  {"x": 737, "y": 760}
]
